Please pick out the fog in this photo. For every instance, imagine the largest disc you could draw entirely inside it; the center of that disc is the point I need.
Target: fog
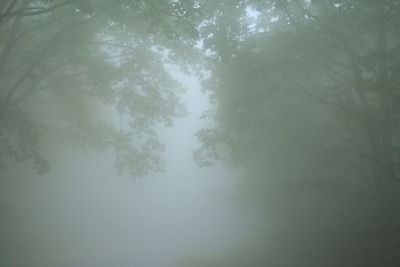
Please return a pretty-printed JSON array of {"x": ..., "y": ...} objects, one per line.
[
  {"x": 188, "y": 133},
  {"x": 83, "y": 214}
]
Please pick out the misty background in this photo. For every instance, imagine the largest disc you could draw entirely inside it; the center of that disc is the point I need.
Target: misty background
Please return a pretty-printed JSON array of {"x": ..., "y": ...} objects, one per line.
[
  {"x": 83, "y": 214},
  {"x": 200, "y": 133}
]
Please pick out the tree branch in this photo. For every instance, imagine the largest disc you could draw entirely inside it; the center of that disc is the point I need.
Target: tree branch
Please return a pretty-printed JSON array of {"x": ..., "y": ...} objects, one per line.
[
  {"x": 8, "y": 10},
  {"x": 27, "y": 11},
  {"x": 37, "y": 61},
  {"x": 320, "y": 99},
  {"x": 10, "y": 45}
]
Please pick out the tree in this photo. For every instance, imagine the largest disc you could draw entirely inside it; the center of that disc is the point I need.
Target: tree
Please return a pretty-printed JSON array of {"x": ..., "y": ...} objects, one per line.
[
  {"x": 307, "y": 102},
  {"x": 60, "y": 59}
]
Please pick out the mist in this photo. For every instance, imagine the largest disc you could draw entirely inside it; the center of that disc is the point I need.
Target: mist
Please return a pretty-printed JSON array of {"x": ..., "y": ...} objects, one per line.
[
  {"x": 83, "y": 214},
  {"x": 187, "y": 133}
]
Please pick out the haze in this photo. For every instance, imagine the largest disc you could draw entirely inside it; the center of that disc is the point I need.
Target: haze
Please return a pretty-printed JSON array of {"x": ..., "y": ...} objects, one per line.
[{"x": 199, "y": 133}]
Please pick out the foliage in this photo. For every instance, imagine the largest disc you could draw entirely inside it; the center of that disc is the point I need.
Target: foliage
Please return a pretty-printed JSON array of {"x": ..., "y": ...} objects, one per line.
[
  {"x": 65, "y": 64},
  {"x": 306, "y": 102}
]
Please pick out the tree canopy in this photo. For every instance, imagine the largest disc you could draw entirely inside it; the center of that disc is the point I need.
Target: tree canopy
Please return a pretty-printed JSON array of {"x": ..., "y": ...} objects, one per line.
[
  {"x": 306, "y": 101},
  {"x": 60, "y": 59}
]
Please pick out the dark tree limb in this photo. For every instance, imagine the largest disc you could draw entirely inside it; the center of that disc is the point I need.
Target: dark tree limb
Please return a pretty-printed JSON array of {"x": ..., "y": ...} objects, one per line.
[
  {"x": 33, "y": 11},
  {"x": 8, "y": 10}
]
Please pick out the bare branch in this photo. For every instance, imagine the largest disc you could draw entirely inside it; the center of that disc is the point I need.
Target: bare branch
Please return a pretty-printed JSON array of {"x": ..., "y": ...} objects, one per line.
[
  {"x": 27, "y": 11},
  {"x": 8, "y": 10}
]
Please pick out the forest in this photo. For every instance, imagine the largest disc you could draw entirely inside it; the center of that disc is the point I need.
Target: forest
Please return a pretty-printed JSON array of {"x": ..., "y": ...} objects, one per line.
[{"x": 200, "y": 133}]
